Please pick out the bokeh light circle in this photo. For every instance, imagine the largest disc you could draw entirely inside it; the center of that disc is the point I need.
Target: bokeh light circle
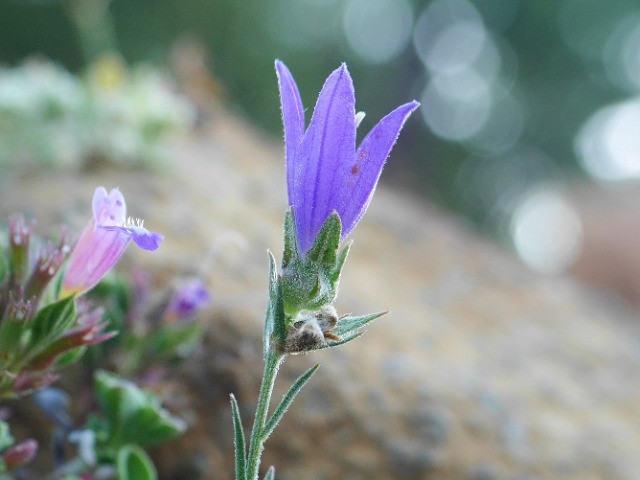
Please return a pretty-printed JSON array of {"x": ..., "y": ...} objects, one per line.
[{"x": 378, "y": 30}]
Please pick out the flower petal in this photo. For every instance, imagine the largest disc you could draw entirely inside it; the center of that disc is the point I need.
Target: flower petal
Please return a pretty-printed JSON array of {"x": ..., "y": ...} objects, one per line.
[
  {"x": 95, "y": 252},
  {"x": 146, "y": 239},
  {"x": 358, "y": 177},
  {"x": 292, "y": 118},
  {"x": 328, "y": 143},
  {"x": 109, "y": 208}
]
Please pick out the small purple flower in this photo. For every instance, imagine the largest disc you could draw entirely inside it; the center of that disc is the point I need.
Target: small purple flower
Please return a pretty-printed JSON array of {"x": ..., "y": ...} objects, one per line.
[
  {"x": 325, "y": 171},
  {"x": 189, "y": 298},
  {"x": 103, "y": 241}
]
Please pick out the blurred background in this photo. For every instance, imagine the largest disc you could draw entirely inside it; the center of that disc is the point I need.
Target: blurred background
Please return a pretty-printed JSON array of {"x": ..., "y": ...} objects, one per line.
[{"x": 529, "y": 129}]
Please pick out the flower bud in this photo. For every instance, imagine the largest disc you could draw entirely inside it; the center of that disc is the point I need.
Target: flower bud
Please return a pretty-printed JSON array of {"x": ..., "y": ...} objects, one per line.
[{"x": 19, "y": 455}]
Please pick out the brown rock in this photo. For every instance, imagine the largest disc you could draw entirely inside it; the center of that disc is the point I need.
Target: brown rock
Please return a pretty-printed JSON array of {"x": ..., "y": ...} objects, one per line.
[{"x": 482, "y": 370}]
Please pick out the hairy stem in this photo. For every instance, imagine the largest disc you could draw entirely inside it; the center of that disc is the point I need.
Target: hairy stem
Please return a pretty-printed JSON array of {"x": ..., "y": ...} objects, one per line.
[{"x": 258, "y": 433}]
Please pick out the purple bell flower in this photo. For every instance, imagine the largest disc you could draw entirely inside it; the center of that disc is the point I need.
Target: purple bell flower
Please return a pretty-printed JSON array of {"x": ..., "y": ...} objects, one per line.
[
  {"x": 104, "y": 241},
  {"x": 325, "y": 171}
]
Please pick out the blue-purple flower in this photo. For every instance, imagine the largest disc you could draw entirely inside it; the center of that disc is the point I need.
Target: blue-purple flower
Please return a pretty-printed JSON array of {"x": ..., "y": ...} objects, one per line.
[
  {"x": 325, "y": 171},
  {"x": 103, "y": 241},
  {"x": 188, "y": 299}
]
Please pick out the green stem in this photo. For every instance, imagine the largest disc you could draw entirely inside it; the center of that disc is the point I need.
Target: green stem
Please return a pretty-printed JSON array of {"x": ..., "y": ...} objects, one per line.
[{"x": 258, "y": 433}]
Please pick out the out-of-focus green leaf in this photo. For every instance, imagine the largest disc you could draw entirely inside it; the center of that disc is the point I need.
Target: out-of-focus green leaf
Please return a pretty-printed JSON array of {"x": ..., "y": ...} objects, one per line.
[{"x": 133, "y": 463}]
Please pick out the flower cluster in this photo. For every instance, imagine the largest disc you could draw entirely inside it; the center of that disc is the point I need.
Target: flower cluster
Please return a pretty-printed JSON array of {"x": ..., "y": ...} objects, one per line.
[{"x": 42, "y": 324}]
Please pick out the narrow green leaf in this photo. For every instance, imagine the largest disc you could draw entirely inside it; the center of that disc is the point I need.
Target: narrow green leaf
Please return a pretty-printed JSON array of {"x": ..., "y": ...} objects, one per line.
[
  {"x": 239, "y": 441},
  {"x": 349, "y": 325},
  {"x": 286, "y": 401},
  {"x": 132, "y": 463},
  {"x": 325, "y": 247},
  {"x": 271, "y": 473}
]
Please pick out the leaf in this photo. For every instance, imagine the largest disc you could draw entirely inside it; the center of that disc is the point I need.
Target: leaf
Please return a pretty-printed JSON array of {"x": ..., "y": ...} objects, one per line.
[
  {"x": 349, "y": 325},
  {"x": 286, "y": 401},
  {"x": 51, "y": 322},
  {"x": 136, "y": 415},
  {"x": 175, "y": 340},
  {"x": 153, "y": 425},
  {"x": 271, "y": 473},
  {"x": 71, "y": 356},
  {"x": 132, "y": 463},
  {"x": 239, "y": 441}
]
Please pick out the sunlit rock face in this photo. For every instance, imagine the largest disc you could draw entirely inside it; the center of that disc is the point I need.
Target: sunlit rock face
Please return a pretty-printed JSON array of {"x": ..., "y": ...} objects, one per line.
[{"x": 481, "y": 370}]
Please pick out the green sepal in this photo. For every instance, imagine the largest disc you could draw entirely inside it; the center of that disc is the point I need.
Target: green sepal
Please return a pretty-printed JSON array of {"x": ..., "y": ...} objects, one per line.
[
  {"x": 271, "y": 473},
  {"x": 342, "y": 258},
  {"x": 348, "y": 325},
  {"x": 132, "y": 463},
  {"x": 239, "y": 442},
  {"x": 274, "y": 322},
  {"x": 325, "y": 247},
  {"x": 290, "y": 239},
  {"x": 287, "y": 400},
  {"x": 342, "y": 341},
  {"x": 310, "y": 282}
]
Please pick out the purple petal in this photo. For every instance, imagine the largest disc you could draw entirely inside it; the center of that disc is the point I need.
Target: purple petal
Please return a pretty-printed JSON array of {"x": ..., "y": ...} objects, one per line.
[
  {"x": 146, "y": 239},
  {"x": 292, "y": 118},
  {"x": 191, "y": 297},
  {"x": 328, "y": 143},
  {"x": 358, "y": 177}
]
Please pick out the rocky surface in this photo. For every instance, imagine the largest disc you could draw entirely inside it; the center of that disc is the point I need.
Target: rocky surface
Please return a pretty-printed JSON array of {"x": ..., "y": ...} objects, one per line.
[{"x": 481, "y": 371}]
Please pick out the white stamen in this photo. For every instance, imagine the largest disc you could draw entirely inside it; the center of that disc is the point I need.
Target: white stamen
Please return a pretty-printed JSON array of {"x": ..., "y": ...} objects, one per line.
[
  {"x": 358, "y": 118},
  {"x": 134, "y": 222}
]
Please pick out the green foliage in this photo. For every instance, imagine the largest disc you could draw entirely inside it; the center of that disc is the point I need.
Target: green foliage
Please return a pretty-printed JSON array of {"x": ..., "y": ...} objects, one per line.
[
  {"x": 133, "y": 463},
  {"x": 50, "y": 323},
  {"x": 287, "y": 400},
  {"x": 134, "y": 416},
  {"x": 239, "y": 443}
]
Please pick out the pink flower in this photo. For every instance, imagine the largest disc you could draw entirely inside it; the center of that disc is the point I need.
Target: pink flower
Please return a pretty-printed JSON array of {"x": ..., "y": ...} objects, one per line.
[{"x": 104, "y": 241}]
